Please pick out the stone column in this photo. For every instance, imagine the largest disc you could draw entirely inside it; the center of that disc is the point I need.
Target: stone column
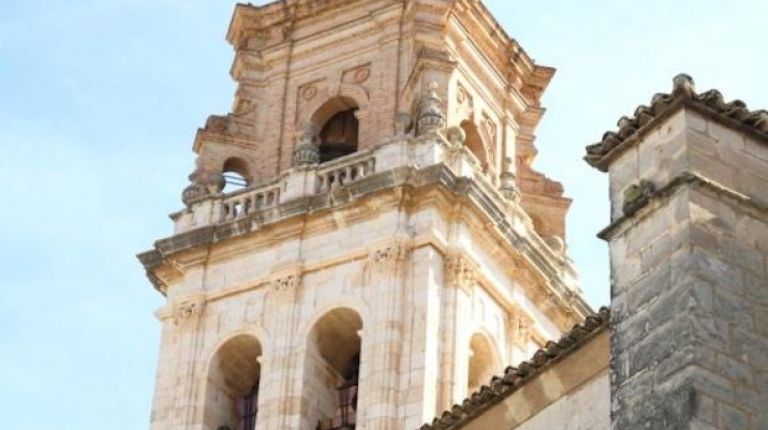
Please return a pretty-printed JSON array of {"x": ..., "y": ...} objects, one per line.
[{"x": 688, "y": 243}]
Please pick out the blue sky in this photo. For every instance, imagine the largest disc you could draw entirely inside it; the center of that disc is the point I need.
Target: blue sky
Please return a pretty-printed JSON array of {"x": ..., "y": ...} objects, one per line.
[{"x": 99, "y": 103}]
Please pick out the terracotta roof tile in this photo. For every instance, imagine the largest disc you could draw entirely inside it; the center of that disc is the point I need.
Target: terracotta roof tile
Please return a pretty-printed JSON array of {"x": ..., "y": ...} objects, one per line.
[
  {"x": 662, "y": 105},
  {"x": 514, "y": 378}
]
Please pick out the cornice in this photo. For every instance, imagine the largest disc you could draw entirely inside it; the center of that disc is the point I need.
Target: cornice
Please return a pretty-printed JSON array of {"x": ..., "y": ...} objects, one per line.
[
  {"x": 407, "y": 178},
  {"x": 659, "y": 197}
]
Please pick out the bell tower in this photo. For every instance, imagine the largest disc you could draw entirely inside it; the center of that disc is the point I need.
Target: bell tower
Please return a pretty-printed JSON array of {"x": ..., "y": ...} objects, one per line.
[{"x": 364, "y": 241}]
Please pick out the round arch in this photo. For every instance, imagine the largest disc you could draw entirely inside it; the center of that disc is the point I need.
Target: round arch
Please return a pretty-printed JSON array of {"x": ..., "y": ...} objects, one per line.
[
  {"x": 484, "y": 361},
  {"x": 232, "y": 383},
  {"x": 331, "y": 368},
  {"x": 236, "y": 172}
]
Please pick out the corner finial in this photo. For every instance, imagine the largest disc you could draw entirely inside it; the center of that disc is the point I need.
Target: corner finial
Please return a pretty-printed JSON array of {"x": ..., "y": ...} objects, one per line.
[
  {"x": 431, "y": 117},
  {"x": 683, "y": 84},
  {"x": 307, "y": 151}
]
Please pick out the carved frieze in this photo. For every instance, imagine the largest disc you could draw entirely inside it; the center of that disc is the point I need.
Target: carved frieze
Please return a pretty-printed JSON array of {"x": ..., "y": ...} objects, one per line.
[
  {"x": 188, "y": 309},
  {"x": 390, "y": 254},
  {"x": 286, "y": 283},
  {"x": 461, "y": 272}
]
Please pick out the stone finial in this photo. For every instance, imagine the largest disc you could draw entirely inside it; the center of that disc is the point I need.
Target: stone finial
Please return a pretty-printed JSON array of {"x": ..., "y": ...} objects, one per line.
[
  {"x": 431, "y": 117},
  {"x": 203, "y": 183},
  {"x": 683, "y": 85},
  {"x": 456, "y": 136},
  {"x": 600, "y": 154},
  {"x": 508, "y": 186},
  {"x": 307, "y": 150}
]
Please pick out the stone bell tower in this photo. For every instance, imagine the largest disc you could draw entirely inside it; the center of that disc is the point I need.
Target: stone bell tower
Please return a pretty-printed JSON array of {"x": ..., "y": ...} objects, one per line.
[{"x": 364, "y": 240}]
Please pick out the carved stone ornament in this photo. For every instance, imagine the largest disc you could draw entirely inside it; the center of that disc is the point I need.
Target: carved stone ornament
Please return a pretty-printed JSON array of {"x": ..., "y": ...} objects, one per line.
[
  {"x": 243, "y": 107},
  {"x": 508, "y": 186},
  {"x": 490, "y": 127},
  {"x": 461, "y": 94},
  {"x": 308, "y": 92},
  {"x": 204, "y": 183},
  {"x": 636, "y": 196},
  {"x": 456, "y": 136},
  {"x": 188, "y": 309},
  {"x": 521, "y": 331},
  {"x": 217, "y": 124},
  {"x": 361, "y": 74},
  {"x": 461, "y": 272},
  {"x": 390, "y": 254},
  {"x": 431, "y": 116},
  {"x": 286, "y": 283},
  {"x": 307, "y": 151}
]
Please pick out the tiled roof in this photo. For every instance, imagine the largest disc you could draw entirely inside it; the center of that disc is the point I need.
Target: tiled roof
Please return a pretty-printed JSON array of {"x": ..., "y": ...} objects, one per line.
[
  {"x": 683, "y": 94},
  {"x": 501, "y": 387}
]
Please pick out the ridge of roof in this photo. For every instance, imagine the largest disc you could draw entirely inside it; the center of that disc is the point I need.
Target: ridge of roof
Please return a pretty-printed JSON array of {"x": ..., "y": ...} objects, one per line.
[
  {"x": 662, "y": 105},
  {"x": 514, "y": 378}
]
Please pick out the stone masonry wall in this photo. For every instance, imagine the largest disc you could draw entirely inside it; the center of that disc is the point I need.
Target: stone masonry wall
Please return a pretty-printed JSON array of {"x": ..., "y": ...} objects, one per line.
[{"x": 689, "y": 280}]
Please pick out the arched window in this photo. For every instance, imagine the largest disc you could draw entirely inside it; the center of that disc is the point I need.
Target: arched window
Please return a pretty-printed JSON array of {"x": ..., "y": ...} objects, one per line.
[
  {"x": 338, "y": 137},
  {"x": 232, "y": 390},
  {"x": 483, "y": 363},
  {"x": 332, "y": 370},
  {"x": 236, "y": 176}
]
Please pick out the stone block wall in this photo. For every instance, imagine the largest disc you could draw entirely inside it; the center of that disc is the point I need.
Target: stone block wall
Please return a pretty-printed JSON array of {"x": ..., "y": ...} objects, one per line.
[
  {"x": 689, "y": 278},
  {"x": 276, "y": 283}
]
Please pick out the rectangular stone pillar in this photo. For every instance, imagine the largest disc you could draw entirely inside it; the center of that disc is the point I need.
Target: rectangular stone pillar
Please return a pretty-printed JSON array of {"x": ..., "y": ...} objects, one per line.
[{"x": 689, "y": 248}]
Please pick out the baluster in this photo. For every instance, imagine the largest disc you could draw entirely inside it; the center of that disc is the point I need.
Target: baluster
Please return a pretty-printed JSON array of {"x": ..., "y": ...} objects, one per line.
[
  {"x": 224, "y": 212},
  {"x": 322, "y": 183},
  {"x": 348, "y": 174},
  {"x": 246, "y": 206}
]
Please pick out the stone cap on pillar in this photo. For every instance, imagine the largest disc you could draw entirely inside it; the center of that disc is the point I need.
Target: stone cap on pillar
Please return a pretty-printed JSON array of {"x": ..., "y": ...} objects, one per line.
[
  {"x": 684, "y": 134},
  {"x": 684, "y": 95}
]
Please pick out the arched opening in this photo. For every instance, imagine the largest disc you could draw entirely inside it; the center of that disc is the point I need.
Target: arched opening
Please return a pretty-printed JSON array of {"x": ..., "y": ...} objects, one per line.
[
  {"x": 339, "y": 134},
  {"x": 236, "y": 175},
  {"x": 474, "y": 143},
  {"x": 232, "y": 389},
  {"x": 483, "y": 362},
  {"x": 332, "y": 369}
]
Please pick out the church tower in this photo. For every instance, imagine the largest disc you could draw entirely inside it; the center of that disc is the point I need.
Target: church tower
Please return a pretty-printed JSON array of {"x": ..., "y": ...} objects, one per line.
[{"x": 364, "y": 241}]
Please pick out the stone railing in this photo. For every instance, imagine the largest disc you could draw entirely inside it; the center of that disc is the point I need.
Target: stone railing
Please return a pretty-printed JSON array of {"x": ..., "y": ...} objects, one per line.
[
  {"x": 245, "y": 202},
  {"x": 344, "y": 173}
]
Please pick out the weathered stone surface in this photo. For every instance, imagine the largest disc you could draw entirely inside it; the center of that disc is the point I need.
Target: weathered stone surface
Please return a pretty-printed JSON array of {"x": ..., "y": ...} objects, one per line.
[{"x": 688, "y": 266}]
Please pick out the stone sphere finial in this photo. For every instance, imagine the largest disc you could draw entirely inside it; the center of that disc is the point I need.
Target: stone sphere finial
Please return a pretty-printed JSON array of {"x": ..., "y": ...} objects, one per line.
[
  {"x": 457, "y": 136},
  {"x": 431, "y": 117},
  {"x": 203, "y": 183},
  {"x": 683, "y": 84},
  {"x": 307, "y": 150}
]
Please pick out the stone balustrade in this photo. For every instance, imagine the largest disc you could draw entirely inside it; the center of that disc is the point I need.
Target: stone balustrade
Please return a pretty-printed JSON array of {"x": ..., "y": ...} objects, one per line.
[
  {"x": 344, "y": 173},
  {"x": 245, "y": 202}
]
